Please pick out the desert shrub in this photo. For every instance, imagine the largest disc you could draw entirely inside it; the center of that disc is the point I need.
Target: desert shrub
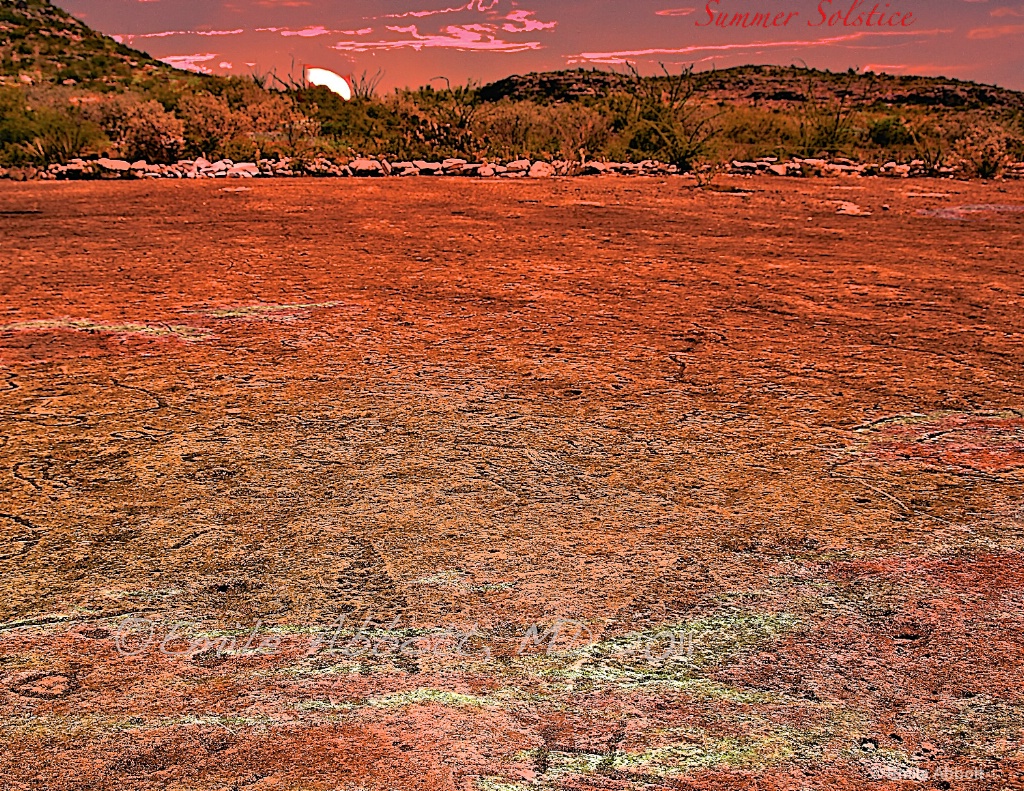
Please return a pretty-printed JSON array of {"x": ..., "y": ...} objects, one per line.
[
  {"x": 749, "y": 132},
  {"x": 828, "y": 115},
  {"x": 139, "y": 129},
  {"x": 580, "y": 131},
  {"x": 60, "y": 136},
  {"x": 933, "y": 140},
  {"x": 350, "y": 123},
  {"x": 210, "y": 124},
  {"x": 442, "y": 120},
  {"x": 663, "y": 120},
  {"x": 1014, "y": 125},
  {"x": 983, "y": 151},
  {"x": 281, "y": 128},
  {"x": 16, "y": 127},
  {"x": 510, "y": 130},
  {"x": 51, "y": 131},
  {"x": 890, "y": 132}
]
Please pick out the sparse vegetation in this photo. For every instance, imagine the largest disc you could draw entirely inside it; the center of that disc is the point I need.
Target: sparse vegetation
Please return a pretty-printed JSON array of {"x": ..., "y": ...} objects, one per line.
[{"x": 66, "y": 91}]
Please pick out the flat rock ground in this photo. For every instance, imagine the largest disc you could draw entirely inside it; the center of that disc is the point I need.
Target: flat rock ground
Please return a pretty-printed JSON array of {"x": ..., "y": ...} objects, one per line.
[{"x": 574, "y": 484}]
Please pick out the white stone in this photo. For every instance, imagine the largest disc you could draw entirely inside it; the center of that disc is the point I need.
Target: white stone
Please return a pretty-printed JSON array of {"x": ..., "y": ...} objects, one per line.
[
  {"x": 114, "y": 165},
  {"x": 366, "y": 167}
]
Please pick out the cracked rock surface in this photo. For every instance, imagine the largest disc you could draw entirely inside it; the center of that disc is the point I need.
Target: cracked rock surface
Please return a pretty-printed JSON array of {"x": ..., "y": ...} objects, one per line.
[{"x": 502, "y": 485}]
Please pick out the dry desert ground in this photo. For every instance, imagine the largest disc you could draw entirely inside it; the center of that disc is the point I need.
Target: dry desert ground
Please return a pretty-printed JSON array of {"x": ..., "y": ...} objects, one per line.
[{"x": 492, "y": 486}]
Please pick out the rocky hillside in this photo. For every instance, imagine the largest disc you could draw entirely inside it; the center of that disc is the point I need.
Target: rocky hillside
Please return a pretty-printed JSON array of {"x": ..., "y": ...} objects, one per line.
[
  {"x": 40, "y": 43},
  {"x": 769, "y": 87}
]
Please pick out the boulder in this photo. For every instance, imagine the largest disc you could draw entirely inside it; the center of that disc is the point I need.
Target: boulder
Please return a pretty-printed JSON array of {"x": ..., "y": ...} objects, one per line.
[
  {"x": 778, "y": 170},
  {"x": 486, "y": 171},
  {"x": 453, "y": 164},
  {"x": 427, "y": 168},
  {"x": 243, "y": 170},
  {"x": 366, "y": 167},
  {"x": 519, "y": 166},
  {"x": 541, "y": 170},
  {"x": 117, "y": 166}
]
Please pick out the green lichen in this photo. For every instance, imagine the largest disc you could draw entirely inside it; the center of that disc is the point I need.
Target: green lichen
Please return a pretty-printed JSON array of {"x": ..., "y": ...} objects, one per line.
[
  {"x": 261, "y": 310},
  {"x": 501, "y": 784},
  {"x": 699, "y": 752},
  {"x": 427, "y": 695},
  {"x": 670, "y": 655}
]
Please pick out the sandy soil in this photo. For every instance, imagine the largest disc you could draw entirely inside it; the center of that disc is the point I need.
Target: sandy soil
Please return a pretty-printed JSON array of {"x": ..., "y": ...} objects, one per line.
[{"x": 587, "y": 484}]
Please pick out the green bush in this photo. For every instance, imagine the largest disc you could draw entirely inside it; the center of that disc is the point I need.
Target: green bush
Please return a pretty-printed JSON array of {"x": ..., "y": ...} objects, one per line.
[
  {"x": 53, "y": 132},
  {"x": 139, "y": 128},
  {"x": 890, "y": 132}
]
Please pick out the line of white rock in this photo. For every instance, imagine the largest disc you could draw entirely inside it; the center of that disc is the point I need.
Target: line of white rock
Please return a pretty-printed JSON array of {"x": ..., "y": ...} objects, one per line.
[{"x": 105, "y": 168}]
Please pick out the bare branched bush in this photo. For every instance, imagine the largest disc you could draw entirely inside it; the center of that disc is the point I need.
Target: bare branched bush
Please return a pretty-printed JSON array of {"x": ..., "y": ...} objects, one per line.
[
  {"x": 515, "y": 129},
  {"x": 663, "y": 119},
  {"x": 364, "y": 86},
  {"x": 827, "y": 124},
  {"x": 510, "y": 130},
  {"x": 581, "y": 131},
  {"x": 441, "y": 122}
]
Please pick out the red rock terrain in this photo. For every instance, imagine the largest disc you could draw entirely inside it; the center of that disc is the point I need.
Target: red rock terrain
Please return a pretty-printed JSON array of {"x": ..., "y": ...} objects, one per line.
[{"x": 572, "y": 484}]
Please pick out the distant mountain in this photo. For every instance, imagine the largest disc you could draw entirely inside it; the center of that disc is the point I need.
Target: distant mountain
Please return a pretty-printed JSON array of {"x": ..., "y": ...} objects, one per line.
[
  {"x": 40, "y": 43},
  {"x": 766, "y": 86}
]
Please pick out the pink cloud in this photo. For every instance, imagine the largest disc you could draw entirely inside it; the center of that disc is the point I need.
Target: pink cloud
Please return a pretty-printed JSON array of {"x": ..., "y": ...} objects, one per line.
[
  {"x": 472, "y": 5},
  {"x": 528, "y": 25},
  {"x": 623, "y": 56},
  {"x": 1007, "y": 11},
  {"x": 466, "y": 38},
  {"x": 168, "y": 33},
  {"x": 985, "y": 33},
  {"x": 676, "y": 12},
  {"x": 875, "y": 68},
  {"x": 314, "y": 31},
  {"x": 190, "y": 62}
]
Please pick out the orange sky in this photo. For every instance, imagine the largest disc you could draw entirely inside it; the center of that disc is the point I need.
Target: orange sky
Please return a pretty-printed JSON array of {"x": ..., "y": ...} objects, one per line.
[{"x": 412, "y": 41}]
